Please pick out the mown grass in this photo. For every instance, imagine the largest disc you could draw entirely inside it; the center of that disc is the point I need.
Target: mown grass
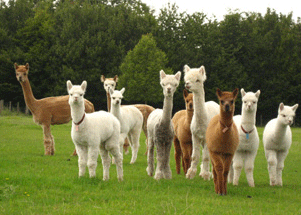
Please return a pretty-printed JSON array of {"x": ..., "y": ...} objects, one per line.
[{"x": 31, "y": 183}]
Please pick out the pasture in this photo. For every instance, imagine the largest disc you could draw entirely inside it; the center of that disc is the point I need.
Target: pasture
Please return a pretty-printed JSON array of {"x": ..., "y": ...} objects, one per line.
[{"x": 31, "y": 183}]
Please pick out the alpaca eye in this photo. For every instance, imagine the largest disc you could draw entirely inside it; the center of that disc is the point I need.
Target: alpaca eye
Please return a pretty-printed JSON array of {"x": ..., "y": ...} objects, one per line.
[
  {"x": 197, "y": 80},
  {"x": 113, "y": 98},
  {"x": 283, "y": 115},
  {"x": 245, "y": 102},
  {"x": 81, "y": 94},
  {"x": 222, "y": 102},
  {"x": 71, "y": 94},
  {"x": 231, "y": 102}
]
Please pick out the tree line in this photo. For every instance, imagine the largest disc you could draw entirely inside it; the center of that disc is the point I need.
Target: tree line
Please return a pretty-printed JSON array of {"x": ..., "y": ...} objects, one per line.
[{"x": 83, "y": 39}]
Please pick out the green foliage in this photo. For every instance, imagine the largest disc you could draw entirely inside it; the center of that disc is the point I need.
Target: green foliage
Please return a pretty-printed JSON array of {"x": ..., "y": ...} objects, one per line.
[{"x": 140, "y": 71}]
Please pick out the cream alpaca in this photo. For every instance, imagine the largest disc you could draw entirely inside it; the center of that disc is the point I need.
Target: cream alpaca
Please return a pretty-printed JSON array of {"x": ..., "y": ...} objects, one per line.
[
  {"x": 277, "y": 140},
  {"x": 93, "y": 133},
  {"x": 248, "y": 139},
  {"x": 203, "y": 112},
  {"x": 130, "y": 119},
  {"x": 160, "y": 129},
  {"x": 47, "y": 111}
]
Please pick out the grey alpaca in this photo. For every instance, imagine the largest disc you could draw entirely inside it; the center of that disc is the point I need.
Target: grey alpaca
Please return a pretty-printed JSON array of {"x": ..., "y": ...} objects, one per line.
[{"x": 160, "y": 129}]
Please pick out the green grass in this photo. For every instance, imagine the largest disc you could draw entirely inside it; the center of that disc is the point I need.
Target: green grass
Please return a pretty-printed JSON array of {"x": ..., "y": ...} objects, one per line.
[{"x": 31, "y": 183}]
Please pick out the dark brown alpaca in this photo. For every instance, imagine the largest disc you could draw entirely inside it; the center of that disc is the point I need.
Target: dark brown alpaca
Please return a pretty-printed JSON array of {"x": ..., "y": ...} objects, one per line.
[
  {"x": 222, "y": 140},
  {"x": 182, "y": 138}
]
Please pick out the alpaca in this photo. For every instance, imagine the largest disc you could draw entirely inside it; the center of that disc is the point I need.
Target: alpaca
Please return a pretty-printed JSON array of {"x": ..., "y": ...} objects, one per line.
[
  {"x": 92, "y": 133},
  {"x": 248, "y": 139},
  {"x": 130, "y": 119},
  {"x": 110, "y": 83},
  {"x": 160, "y": 129},
  {"x": 182, "y": 138},
  {"x": 203, "y": 112},
  {"x": 222, "y": 140},
  {"x": 277, "y": 140},
  {"x": 47, "y": 111}
]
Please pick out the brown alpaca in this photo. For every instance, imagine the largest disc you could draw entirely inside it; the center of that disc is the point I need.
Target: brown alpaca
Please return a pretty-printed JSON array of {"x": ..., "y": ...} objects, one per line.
[
  {"x": 182, "y": 138},
  {"x": 222, "y": 140},
  {"x": 47, "y": 111},
  {"x": 110, "y": 83}
]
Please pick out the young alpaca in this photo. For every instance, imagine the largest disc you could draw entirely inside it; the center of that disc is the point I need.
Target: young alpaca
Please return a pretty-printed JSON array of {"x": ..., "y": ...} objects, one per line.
[
  {"x": 160, "y": 129},
  {"x": 203, "y": 112},
  {"x": 222, "y": 140},
  {"x": 277, "y": 140},
  {"x": 93, "y": 133},
  {"x": 248, "y": 139},
  {"x": 130, "y": 119},
  {"x": 47, "y": 111},
  {"x": 182, "y": 138}
]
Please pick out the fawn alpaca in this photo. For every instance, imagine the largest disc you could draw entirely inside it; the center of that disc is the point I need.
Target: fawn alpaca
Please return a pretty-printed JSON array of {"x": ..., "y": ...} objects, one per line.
[
  {"x": 277, "y": 140},
  {"x": 248, "y": 139},
  {"x": 93, "y": 133},
  {"x": 130, "y": 119},
  {"x": 203, "y": 112},
  {"x": 160, "y": 129},
  {"x": 47, "y": 111},
  {"x": 222, "y": 140},
  {"x": 182, "y": 138}
]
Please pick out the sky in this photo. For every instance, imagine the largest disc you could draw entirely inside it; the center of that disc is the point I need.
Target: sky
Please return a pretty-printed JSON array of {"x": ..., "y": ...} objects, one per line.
[{"x": 219, "y": 8}]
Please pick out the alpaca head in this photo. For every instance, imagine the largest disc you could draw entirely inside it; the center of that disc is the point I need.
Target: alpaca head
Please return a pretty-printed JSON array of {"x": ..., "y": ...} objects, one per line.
[
  {"x": 188, "y": 97},
  {"x": 116, "y": 96},
  {"x": 249, "y": 100},
  {"x": 109, "y": 83},
  {"x": 194, "y": 78},
  {"x": 21, "y": 72},
  {"x": 227, "y": 100},
  {"x": 169, "y": 83},
  {"x": 286, "y": 114},
  {"x": 76, "y": 92}
]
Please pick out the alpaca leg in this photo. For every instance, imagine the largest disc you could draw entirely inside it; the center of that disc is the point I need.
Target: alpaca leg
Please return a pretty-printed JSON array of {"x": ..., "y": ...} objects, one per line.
[
  {"x": 126, "y": 146},
  {"x": 106, "y": 162},
  {"x": 53, "y": 145},
  {"x": 218, "y": 171},
  {"x": 144, "y": 128},
  {"x": 178, "y": 154},
  {"x": 215, "y": 178},
  {"x": 186, "y": 156},
  {"x": 280, "y": 165},
  {"x": 249, "y": 168},
  {"x": 237, "y": 166},
  {"x": 227, "y": 160},
  {"x": 160, "y": 162},
  {"x": 195, "y": 158},
  {"x": 272, "y": 163},
  {"x": 205, "y": 166},
  {"x": 134, "y": 137},
  {"x": 48, "y": 144},
  {"x": 82, "y": 159},
  {"x": 150, "y": 157},
  {"x": 231, "y": 174},
  {"x": 118, "y": 161},
  {"x": 92, "y": 161},
  {"x": 167, "y": 171}
]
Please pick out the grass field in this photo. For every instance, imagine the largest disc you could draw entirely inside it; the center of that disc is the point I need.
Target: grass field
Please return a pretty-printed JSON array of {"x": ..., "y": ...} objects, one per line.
[{"x": 31, "y": 183}]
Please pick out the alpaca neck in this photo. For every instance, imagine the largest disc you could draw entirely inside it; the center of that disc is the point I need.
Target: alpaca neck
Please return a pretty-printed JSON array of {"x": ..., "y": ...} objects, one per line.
[
  {"x": 226, "y": 118},
  {"x": 280, "y": 130},
  {"x": 189, "y": 115},
  {"x": 116, "y": 110},
  {"x": 108, "y": 102},
  {"x": 77, "y": 111},
  {"x": 167, "y": 110},
  {"x": 248, "y": 119},
  {"x": 29, "y": 98},
  {"x": 200, "y": 112}
]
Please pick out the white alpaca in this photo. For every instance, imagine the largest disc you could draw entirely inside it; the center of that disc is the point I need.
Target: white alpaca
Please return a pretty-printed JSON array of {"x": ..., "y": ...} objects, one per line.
[
  {"x": 277, "y": 140},
  {"x": 130, "y": 119},
  {"x": 93, "y": 133},
  {"x": 248, "y": 139},
  {"x": 203, "y": 112},
  {"x": 160, "y": 129}
]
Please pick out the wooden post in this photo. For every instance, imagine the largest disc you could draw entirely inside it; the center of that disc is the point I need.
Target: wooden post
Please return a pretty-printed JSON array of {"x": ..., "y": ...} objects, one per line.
[
  {"x": 1, "y": 105},
  {"x": 26, "y": 110},
  {"x": 18, "y": 107},
  {"x": 9, "y": 106}
]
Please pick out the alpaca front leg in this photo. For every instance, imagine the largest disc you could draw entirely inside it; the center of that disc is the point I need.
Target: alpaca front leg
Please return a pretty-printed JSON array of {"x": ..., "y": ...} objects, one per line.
[
  {"x": 205, "y": 166},
  {"x": 178, "y": 155},
  {"x": 48, "y": 140},
  {"x": 119, "y": 162},
  {"x": 237, "y": 166},
  {"x": 166, "y": 167},
  {"x": 82, "y": 152},
  {"x": 134, "y": 137},
  {"x": 106, "y": 162},
  {"x": 92, "y": 161},
  {"x": 150, "y": 157},
  {"x": 249, "y": 168},
  {"x": 280, "y": 165},
  {"x": 195, "y": 158},
  {"x": 272, "y": 163}
]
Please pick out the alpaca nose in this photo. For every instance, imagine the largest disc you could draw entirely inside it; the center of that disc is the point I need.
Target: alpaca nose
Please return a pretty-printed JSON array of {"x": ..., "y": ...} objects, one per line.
[
  {"x": 187, "y": 86},
  {"x": 169, "y": 89},
  {"x": 227, "y": 107},
  {"x": 117, "y": 102}
]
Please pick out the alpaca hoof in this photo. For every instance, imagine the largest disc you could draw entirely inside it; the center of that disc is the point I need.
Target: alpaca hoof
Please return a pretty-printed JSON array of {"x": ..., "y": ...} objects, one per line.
[
  {"x": 150, "y": 173},
  {"x": 206, "y": 176},
  {"x": 120, "y": 178},
  {"x": 191, "y": 173},
  {"x": 105, "y": 178},
  {"x": 252, "y": 184},
  {"x": 158, "y": 176}
]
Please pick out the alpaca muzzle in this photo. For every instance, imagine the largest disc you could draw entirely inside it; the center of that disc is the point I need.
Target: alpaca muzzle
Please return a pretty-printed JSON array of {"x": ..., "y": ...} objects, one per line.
[{"x": 227, "y": 108}]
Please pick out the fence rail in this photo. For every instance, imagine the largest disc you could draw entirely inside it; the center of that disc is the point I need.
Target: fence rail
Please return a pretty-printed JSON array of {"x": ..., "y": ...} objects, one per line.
[{"x": 10, "y": 107}]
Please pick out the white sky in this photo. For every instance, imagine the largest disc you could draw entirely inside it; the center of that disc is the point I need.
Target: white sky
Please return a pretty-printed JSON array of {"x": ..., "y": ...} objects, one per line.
[{"x": 219, "y": 8}]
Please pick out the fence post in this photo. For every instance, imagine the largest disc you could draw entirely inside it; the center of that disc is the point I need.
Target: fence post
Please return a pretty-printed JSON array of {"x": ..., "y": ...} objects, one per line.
[
  {"x": 26, "y": 110},
  {"x": 18, "y": 107},
  {"x": 9, "y": 106},
  {"x": 1, "y": 105}
]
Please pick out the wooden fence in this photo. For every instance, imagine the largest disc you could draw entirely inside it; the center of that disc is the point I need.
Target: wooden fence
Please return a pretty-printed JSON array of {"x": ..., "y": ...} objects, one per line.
[{"x": 9, "y": 106}]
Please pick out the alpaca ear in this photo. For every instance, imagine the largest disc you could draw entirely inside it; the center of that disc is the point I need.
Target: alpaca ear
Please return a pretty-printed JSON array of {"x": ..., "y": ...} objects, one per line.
[
  {"x": 257, "y": 94},
  {"x": 185, "y": 93},
  {"x": 84, "y": 85},
  {"x": 69, "y": 85},
  {"x": 219, "y": 93},
  {"x": 116, "y": 78},
  {"x": 203, "y": 72},
  {"x": 242, "y": 92},
  {"x": 281, "y": 106},
  {"x": 27, "y": 66},
  {"x": 162, "y": 74},
  {"x": 102, "y": 78},
  {"x": 235, "y": 93},
  {"x": 16, "y": 66},
  {"x": 295, "y": 107},
  {"x": 178, "y": 76},
  {"x": 122, "y": 90},
  {"x": 186, "y": 68}
]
